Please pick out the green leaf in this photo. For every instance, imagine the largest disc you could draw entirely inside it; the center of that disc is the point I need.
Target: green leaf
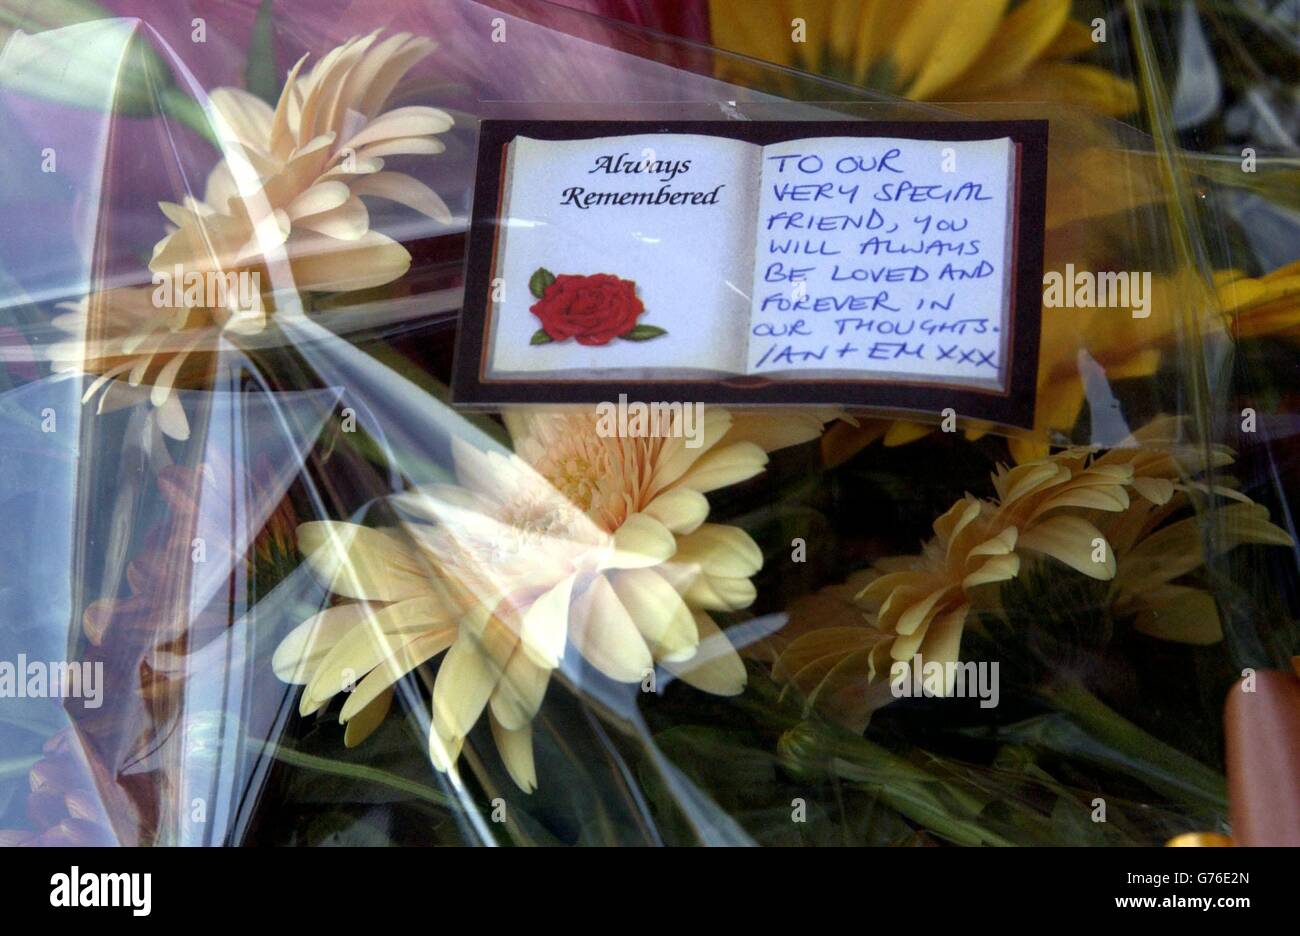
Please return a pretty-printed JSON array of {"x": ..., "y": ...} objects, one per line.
[
  {"x": 540, "y": 337},
  {"x": 643, "y": 333},
  {"x": 538, "y": 282},
  {"x": 260, "y": 73}
]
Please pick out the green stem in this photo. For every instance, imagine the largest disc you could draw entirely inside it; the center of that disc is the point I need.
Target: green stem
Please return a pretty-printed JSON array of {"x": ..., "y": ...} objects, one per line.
[
  {"x": 1162, "y": 767},
  {"x": 901, "y": 785},
  {"x": 297, "y": 758}
]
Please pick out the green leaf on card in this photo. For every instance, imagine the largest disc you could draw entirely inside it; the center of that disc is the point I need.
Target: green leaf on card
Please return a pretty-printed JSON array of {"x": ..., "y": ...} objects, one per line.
[
  {"x": 643, "y": 333},
  {"x": 540, "y": 337},
  {"x": 538, "y": 282}
]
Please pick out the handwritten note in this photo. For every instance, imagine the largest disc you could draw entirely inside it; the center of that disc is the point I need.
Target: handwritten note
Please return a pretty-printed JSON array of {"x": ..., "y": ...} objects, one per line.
[{"x": 885, "y": 256}]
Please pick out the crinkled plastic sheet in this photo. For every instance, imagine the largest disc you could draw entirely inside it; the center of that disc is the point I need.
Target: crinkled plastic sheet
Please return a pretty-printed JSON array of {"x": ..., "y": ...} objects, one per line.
[{"x": 168, "y": 551}]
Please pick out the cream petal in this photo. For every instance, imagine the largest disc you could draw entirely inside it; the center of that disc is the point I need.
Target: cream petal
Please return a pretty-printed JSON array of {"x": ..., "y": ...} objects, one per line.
[
  {"x": 405, "y": 55},
  {"x": 403, "y": 146},
  {"x": 322, "y": 197},
  {"x": 606, "y": 635},
  {"x": 281, "y": 140},
  {"x": 407, "y": 657},
  {"x": 327, "y": 265},
  {"x": 658, "y": 612},
  {"x": 348, "y": 222},
  {"x": 359, "y": 562},
  {"x": 725, "y": 466},
  {"x": 943, "y": 640},
  {"x": 399, "y": 187},
  {"x": 519, "y": 693},
  {"x": 996, "y": 569},
  {"x": 1111, "y": 498},
  {"x": 681, "y": 510},
  {"x": 720, "y": 549},
  {"x": 411, "y": 121},
  {"x": 677, "y": 459},
  {"x": 516, "y": 749},
  {"x": 715, "y": 668},
  {"x": 1157, "y": 490},
  {"x": 999, "y": 545},
  {"x": 243, "y": 116},
  {"x": 172, "y": 420},
  {"x": 298, "y": 655},
  {"x": 719, "y": 593},
  {"x": 546, "y": 624},
  {"x": 771, "y": 430},
  {"x": 381, "y": 633},
  {"x": 444, "y": 750},
  {"x": 918, "y": 614},
  {"x": 463, "y": 687},
  {"x": 639, "y": 542}
]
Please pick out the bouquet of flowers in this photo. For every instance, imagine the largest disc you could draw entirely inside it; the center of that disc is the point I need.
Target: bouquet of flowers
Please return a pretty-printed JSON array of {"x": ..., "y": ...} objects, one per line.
[{"x": 269, "y": 585}]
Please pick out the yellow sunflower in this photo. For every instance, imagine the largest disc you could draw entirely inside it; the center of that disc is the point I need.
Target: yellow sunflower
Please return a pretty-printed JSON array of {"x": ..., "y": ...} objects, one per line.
[{"x": 929, "y": 50}]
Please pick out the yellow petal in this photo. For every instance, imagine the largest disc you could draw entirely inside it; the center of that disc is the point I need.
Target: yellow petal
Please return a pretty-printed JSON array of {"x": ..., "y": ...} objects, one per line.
[
  {"x": 1181, "y": 614},
  {"x": 1073, "y": 541},
  {"x": 902, "y": 432},
  {"x": 997, "y": 569},
  {"x": 1023, "y": 37},
  {"x": 968, "y": 27}
]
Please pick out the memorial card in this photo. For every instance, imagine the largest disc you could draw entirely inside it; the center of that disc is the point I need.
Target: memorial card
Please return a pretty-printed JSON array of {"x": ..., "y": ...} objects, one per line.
[{"x": 864, "y": 264}]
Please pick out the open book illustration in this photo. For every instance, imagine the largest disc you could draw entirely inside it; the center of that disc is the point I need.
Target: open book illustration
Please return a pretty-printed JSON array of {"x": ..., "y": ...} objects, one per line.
[{"x": 692, "y": 259}]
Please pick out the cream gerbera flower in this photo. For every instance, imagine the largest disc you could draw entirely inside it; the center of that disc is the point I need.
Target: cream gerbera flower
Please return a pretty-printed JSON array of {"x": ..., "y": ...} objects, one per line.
[
  {"x": 282, "y": 209},
  {"x": 288, "y": 191},
  {"x": 576, "y": 538}
]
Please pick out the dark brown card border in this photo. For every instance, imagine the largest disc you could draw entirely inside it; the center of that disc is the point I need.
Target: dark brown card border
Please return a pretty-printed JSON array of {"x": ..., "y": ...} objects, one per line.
[{"x": 1012, "y": 407}]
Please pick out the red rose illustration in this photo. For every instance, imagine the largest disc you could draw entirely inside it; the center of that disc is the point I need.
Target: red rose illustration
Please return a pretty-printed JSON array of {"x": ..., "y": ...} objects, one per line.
[{"x": 592, "y": 309}]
